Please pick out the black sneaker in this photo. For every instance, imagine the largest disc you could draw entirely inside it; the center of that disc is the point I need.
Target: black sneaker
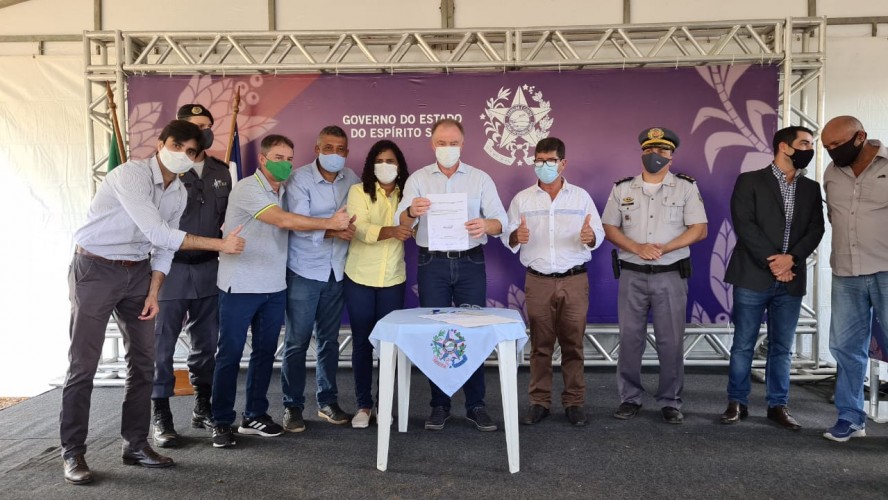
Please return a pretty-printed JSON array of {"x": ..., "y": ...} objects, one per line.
[
  {"x": 333, "y": 413},
  {"x": 627, "y": 411},
  {"x": 437, "y": 419},
  {"x": 481, "y": 419},
  {"x": 223, "y": 436},
  {"x": 293, "y": 421},
  {"x": 576, "y": 415},
  {"x": 260, "y": 426},
  {"x": 672, "y": 415}
]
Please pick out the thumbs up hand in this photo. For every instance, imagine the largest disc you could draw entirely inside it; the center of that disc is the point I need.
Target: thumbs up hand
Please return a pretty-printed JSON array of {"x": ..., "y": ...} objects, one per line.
[
  {"x": 587, "y": 235},
  {"x": 522, "y": 234}
]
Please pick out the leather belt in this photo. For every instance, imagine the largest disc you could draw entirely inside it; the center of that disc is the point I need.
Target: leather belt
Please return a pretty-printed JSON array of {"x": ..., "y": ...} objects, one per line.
[
  {"x": 580, "y": 269},
  {"x": 195, "y": 258},
  {"x": 453, "y": 254},
  {"x": 89, "y": 255},
  {"x": 649, "y": 268}
]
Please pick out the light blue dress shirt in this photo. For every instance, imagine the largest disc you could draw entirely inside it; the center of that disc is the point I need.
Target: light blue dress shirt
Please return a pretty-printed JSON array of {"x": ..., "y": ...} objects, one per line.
[
  {"x": 482, "y": 197},
  {"x": 310, "y": 255},
  {"x": 132, "y": 216}
]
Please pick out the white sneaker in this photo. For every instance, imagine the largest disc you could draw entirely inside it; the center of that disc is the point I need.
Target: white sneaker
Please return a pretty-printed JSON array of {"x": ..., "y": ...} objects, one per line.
[{"x": 362, "y": 419}]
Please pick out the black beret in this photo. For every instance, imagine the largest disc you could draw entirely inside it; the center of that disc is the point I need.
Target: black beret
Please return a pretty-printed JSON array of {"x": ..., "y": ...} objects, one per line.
[
  {"x": 658, "y": 136},
  {"x": 190, "y": 110}
]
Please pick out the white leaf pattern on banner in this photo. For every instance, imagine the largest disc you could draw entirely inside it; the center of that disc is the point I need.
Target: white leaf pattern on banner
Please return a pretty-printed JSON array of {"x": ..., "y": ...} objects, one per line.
[
  {"x": 757, "y": 110},
  {"x": 718, "y": 264},
  {"x": 495, "y": 303},
  {"x": 217, "y": 97},
  {"x": 732, "y": 74},
  {"x": 143, "y": 130},
  {"x": 755, "y": 160},
  {"x": 516, "y": 300},
  {"x": 699, "y": 316},
  {"x": 708, "y": 112},
  {"x": 720, "y": 140}
]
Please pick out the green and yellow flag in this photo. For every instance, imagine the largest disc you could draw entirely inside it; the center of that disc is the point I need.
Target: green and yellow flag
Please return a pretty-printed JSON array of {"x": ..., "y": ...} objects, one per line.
[{"x": 113, "y": 153}]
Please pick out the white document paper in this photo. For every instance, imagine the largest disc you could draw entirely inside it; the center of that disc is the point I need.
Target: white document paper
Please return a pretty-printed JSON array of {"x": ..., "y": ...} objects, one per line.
[
  {"x": 467, "y": 319},
  {"x": 446, "y": 219}
]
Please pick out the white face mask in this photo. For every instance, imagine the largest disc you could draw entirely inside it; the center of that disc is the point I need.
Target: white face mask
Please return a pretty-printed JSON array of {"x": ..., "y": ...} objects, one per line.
[
  {"x": 177, "y": 163},
  {"x": 447, "y": 156},
  {"x": 385, "y": 172}
]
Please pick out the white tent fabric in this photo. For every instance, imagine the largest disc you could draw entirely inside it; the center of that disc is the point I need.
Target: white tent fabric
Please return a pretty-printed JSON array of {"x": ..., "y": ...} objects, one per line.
[{"x": 44, "y": 193}]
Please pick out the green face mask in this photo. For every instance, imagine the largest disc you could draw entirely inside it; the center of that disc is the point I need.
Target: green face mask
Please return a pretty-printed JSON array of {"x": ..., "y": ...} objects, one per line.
[{"x": 280, "y": 170}]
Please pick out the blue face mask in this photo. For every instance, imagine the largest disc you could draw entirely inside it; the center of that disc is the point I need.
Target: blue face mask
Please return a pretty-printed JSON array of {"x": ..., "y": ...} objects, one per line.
[
  {"x": 332, "y": 163},
  {"x": 547, "y": 172}
]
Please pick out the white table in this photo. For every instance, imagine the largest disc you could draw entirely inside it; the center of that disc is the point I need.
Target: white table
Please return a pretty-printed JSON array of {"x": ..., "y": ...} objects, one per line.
[{"x": 448, "y": 355}]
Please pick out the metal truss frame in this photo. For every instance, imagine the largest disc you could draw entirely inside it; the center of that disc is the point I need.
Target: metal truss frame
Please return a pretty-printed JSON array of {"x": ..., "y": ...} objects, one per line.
[{"x": 797, "y": 45}]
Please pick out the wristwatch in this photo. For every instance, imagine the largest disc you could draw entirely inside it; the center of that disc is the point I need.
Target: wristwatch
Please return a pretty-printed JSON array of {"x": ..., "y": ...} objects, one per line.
[{"x": 409, "y": 214}]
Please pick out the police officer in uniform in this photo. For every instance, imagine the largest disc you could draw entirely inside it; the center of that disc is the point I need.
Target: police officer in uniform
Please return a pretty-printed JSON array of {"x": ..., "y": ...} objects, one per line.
[
  {"x": 652, "y": 219},
  {"x": 189, "y": 295}
]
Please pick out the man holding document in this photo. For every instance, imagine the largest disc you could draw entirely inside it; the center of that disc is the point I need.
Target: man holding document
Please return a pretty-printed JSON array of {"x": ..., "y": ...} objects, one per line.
[{"x": 454, "y": 207}]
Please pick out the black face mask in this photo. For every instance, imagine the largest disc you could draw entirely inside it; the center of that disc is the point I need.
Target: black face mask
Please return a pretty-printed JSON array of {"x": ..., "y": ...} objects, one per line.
[
  {"x": 207, "y": 138},
  {"x": 653, "y": 162},
  {"x": 801, "y": 158},
  {"x": 845, "y": 154}
]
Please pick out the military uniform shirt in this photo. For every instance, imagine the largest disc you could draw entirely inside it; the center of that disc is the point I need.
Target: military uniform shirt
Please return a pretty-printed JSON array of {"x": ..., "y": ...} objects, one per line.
[
  {"x": 657, "y": 218},
  {"x": 204, "y": 216},
  {"x": 262, "y": 267}
]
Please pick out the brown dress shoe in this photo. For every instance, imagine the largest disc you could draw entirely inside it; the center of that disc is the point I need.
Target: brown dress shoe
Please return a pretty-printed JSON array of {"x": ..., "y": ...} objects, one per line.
[
  {"x": 146, "y": 457},
  {"x": 76, "y": 470},
  {"x": 535, "y": 414},
  {"x": 780, "y": 414},
  {"x": 735, "y": 413}
]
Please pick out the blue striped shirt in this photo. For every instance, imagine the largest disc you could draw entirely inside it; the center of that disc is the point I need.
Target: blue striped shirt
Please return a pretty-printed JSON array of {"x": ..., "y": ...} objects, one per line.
[{"x": 133, "y": 217}]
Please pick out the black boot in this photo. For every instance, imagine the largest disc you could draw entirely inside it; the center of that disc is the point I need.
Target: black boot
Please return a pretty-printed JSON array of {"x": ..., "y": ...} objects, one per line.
[
  {"x": 164, "y": 433},
  {"x": 202, "y": 416}
]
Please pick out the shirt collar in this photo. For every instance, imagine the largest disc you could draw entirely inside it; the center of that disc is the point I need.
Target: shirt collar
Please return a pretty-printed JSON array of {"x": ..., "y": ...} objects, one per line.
[
  {"x": 461, "y": 168},
  {"x": 316, "y": 173},
  {"x": 264, "y": 181},
  {"x": 157, "y": 175},
  {"x": 379, "y": 189},
  {"x": 565, "y": 186},
  {"x": 668, "y": 180}
]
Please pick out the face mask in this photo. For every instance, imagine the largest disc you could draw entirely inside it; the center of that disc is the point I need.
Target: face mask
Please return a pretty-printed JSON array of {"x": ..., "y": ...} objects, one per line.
[
  {"x": 280, "y": 170},
  {"x": 385, "y": 172},
  {"x": 801, "y": 158},
  {"x": 206, "y": 141},
  {"x": 177, "y": 163},
  {"x": 653, "y": 162},
  {"x": 845, "y": 154},
  {"x": 547, "y": 173},
  {"x": 332, "y": 163},
  {"x": 447, "y": 156}
]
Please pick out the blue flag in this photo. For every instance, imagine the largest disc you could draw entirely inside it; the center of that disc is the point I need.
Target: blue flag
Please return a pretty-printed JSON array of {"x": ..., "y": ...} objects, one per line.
[{"x": 235, "y": 163}]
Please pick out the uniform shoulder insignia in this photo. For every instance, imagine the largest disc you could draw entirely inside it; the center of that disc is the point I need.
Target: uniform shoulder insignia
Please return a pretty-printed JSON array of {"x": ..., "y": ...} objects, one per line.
[
  {"x": 625, "y": 179},
  {"x": 686, "y": 177}
]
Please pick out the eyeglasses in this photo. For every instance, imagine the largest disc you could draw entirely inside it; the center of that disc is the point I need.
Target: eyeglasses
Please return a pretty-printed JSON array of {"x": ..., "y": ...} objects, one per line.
[{"x": 546, "y": 163}]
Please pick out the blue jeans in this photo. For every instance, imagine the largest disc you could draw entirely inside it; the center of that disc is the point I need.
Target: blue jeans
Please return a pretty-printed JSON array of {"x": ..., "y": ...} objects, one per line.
[
  {"x": 854, "y": 301},
  {"x": 783, "y": 317},
  {"x": 311, "y": 304},
  {"x": 446, "y": 282},
  {"x": 366, "y": 305},
  {"x": 263, "y": 314}
]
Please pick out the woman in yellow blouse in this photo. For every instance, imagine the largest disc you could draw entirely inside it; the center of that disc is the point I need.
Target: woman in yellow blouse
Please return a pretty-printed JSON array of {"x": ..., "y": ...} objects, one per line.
[{"x": 375, "y": 277}]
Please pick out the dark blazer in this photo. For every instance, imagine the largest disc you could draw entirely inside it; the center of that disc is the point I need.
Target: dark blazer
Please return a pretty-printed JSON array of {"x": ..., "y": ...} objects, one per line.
[{"x": 757, "y": 213}]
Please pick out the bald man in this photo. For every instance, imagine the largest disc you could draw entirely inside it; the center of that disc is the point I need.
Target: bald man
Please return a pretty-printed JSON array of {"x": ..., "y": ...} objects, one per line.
[{"x": 856, "y": 185}]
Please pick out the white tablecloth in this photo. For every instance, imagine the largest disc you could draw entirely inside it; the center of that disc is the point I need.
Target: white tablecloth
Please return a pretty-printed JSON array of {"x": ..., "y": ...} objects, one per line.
[{"x": 447, "y": 354}]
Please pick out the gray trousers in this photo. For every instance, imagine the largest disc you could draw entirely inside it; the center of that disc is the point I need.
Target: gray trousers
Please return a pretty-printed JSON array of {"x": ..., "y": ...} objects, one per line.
[
  {"x": 202, "y": 325},
  {"x": 665, "y": 296},
  {"x": 97, "y": 289}
]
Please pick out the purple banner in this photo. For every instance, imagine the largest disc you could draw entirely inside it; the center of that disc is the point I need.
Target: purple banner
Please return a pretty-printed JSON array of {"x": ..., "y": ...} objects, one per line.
[{"x": 725, "y": 117}]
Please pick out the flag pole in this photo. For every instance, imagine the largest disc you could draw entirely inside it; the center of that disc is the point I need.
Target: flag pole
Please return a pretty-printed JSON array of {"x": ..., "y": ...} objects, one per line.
[
  {"x": 234, "y": 110},
  {"x": 113, "y": 107}
]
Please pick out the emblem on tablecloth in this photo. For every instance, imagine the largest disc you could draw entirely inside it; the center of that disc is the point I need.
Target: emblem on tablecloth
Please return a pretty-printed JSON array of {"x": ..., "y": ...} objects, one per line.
[{"x": 449, "y": 348}]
